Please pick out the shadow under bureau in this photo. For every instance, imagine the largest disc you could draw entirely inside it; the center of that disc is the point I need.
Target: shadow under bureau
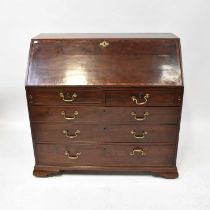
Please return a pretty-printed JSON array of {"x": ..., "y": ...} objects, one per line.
[{"x": 105, "y": 102}]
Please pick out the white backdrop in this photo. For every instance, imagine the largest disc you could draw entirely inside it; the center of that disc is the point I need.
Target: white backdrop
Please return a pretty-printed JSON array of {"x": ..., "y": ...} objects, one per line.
[{"x": 22, "y": 19}]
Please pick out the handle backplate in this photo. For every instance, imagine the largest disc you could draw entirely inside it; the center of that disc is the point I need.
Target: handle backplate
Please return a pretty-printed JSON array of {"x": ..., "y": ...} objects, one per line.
[
  {"x": 146, "y": 114},
  {"x": 70, "y": 99},
  {"x": 145, "y": 97},
  {"x": 63, "y": 113},
  {"x": 66, "y": 133},
  {"x": 72, "y": 157},
  {"x": 139, "y": 136},
  {"x": 139, "y": 151}
]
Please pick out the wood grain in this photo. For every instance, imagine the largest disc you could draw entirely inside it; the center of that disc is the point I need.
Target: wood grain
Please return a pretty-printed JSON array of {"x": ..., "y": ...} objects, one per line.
[
  {"x": 103, "y": 115},
  {"x": 106, "y": 155},
  {"x": 125, "y": 62},
  {"x": 53, "y": 133},
  {"x": 105, "y": 79}
]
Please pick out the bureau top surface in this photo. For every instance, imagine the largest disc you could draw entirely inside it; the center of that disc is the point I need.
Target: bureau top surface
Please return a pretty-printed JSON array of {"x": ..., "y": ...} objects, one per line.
[
  {"x": 105, "y": 35},
  {"x": 124, "y": 60}
]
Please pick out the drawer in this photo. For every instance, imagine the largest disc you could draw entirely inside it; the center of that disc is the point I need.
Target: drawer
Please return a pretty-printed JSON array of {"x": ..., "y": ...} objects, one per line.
[
  {"x": 64, "y": 133},
  {"x": 112, "y": 115},
  {"x": 143, "y": 133},
  {"x": 105, "y": 155},
  {"x": 64, "y": 96},
  {"x": 143, "y": 97}
]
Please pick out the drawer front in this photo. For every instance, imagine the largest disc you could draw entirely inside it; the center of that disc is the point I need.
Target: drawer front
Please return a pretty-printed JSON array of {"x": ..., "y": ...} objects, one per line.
[
  {"x": 64, "y": 133},
  {"x": 144, "y": 97},
  {"x": 64, "y": 96},
  {"x": 144, "y": 133},
  {"x": 105, "y": 155},
  {"x": 111, "y": 115}
]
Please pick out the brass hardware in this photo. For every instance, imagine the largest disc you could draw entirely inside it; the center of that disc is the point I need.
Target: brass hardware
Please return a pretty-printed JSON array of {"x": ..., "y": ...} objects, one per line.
[
  {"x": 179, "y": 99},
  {"x": 138, "y": 136},
  {"x": 73, "y": 97},
  {"x": 72, "y": 157},
  {"x": 104, "y": 43},
  {"x": 30, "y": 98},
  {"x": 140, "y": 151},
  {"x": 140, "y": 118},
  {"x": 66, "y": 133},
  {"x": 63, "y": 113},
  {"x": 146, "y": 97}
]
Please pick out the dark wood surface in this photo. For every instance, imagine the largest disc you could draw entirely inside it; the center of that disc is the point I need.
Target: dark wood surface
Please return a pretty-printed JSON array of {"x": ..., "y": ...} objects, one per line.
[
  {"x": 105, "y": 96},
  {"x": 125, "y": 62},
  {"x": 102, "y": 115},
  {"x": 105, "y": 80},
  {"x": 105, "y": 155},
  {"x": 164, "y": 97},
  {"x": 53, "y": 133}
]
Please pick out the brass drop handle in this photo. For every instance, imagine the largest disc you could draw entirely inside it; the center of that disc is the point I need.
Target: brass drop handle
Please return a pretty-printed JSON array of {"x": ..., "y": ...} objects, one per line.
[
  {"x": 66, "y": 133},
  {"x": 72, "y": 157},
  {"x": 139, "y": 136},
  {"x": 140, "y": 151},
  {"x": 63, "y": 113},
  {"x": 146, "y": 97},
  {"x": 73, "y": 97},
  {"x": 146, "y": 114},
  {"x": 104, "y": 44}
]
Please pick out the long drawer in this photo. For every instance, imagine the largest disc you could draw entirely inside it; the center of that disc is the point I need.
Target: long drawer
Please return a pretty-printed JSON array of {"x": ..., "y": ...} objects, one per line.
[
  {"x": 112, "y": 115},
  {"x": 105, "y": 155},
  {"x": 63, "y": 133}
]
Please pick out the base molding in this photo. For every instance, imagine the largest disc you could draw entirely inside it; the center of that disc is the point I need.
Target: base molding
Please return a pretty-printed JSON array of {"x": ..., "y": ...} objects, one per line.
[
  {"x": 44, "y": 172},
  {"x": 167, "y": 175},
  {"x": 164, "y": 172}
]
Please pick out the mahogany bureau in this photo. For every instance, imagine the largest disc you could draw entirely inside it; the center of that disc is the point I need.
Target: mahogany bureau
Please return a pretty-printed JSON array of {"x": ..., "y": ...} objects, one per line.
[{"x": 105, "y": 103}]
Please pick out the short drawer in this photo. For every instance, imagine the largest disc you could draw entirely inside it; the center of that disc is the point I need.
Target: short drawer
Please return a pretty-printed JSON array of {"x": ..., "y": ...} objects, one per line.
[
  {"x": 105, "y": 155},
  {"x": 111, "y": 115},
  {"x": 64, "y": 96},
  {"x": 64, "y": 133},
  {"x": 143, "y": 97}
]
